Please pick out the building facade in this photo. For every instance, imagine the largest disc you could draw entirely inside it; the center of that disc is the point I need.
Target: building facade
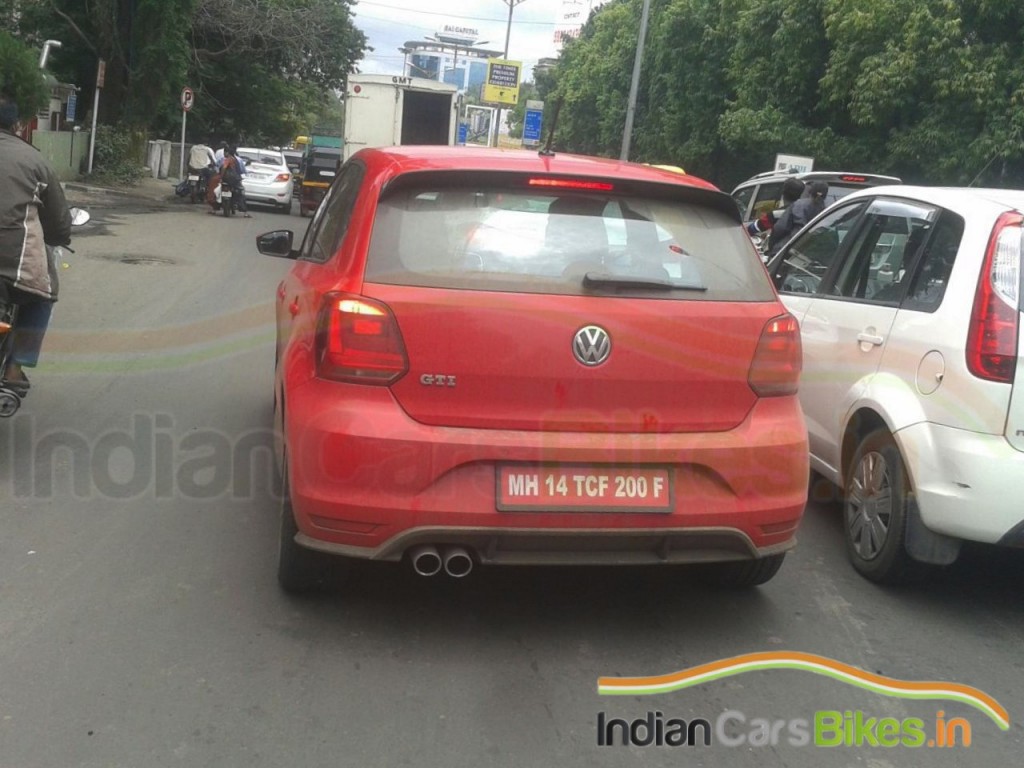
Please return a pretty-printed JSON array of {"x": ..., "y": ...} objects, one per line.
[{"x": 449, "y": 59}]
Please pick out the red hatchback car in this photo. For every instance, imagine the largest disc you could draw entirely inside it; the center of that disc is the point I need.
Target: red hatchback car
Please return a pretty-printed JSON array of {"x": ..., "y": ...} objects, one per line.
[{"x": 502, "y": 357}]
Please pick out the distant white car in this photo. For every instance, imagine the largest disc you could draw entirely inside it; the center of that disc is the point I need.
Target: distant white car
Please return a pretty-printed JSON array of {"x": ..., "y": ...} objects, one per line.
[
  {"x": 910, "y": 311},
  {"x": 268, "y": 179}
]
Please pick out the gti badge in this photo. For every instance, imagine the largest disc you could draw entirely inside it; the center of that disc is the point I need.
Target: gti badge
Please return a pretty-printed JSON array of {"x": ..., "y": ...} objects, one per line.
[
  {"x": 437, "y": 380},
  {"x": 591, "y": 345}
]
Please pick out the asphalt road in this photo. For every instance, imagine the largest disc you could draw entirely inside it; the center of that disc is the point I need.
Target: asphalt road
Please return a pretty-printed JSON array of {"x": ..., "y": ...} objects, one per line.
[{"x": 141, "y": 624}]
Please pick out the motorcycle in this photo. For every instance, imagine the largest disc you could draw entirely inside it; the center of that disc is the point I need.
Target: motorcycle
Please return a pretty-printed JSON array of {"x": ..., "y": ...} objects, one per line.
[
  {"x": 227, "y": 203},
  {"x": 10, "y": 397},
  {"x": 197, "y": 182}
]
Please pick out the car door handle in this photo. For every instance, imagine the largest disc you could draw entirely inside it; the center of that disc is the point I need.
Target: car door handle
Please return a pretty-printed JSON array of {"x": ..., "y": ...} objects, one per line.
[{"x": 870, "y": 338}]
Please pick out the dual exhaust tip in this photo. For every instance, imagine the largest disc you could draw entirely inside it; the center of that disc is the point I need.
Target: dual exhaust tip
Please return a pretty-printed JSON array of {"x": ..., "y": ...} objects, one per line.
[{"x": 428, "y": 560}]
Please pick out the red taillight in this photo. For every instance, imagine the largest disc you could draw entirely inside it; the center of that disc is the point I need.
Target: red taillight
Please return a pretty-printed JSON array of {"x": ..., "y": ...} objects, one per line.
[
  {"x": 992, "y": 335},
  {"x": 283, "y": 177},
  {"x": 359, "y": 342},
  {"x": 594, "y": 186},
  {"x": 853, "y": 178},
  {"x": 778, "y": 359}
]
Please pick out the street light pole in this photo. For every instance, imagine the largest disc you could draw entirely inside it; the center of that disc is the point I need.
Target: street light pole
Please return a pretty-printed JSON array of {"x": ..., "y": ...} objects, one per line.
[
  {"x": 627, "y": 133},
  {"x": 508, "y": 34}
]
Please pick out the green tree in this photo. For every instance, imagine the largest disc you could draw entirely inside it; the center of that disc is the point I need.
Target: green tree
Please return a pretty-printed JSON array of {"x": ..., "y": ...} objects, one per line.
[
  {"x": 20, "y": 78},
  {"x": 260, "y": 68},
  {"x": 932, "y": 90},
  {"x": 593, "y": 77}
]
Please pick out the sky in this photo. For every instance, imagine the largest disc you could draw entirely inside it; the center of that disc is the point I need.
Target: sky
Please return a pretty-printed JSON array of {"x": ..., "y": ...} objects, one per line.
[{"x": 388, "y": 24}]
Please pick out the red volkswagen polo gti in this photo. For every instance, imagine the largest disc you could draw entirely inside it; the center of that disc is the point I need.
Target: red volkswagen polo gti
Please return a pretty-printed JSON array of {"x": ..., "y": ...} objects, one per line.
[{"x": 501, "y": 357}]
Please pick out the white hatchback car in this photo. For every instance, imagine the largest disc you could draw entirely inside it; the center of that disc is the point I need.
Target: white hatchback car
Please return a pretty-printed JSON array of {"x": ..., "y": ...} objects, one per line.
[
  {"x": 909, "y": 301},
  {"x": 268, "y": 179}
]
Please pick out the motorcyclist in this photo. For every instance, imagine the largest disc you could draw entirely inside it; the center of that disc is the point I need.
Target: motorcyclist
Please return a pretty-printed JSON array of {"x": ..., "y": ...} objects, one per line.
[
  {"x": 33, "y": 216},
  {"x": 202, "y": 162}
]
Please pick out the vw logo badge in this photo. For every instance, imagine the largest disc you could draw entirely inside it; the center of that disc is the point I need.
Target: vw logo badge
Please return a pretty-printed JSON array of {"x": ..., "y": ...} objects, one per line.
[{"x": 591, "y": 345}]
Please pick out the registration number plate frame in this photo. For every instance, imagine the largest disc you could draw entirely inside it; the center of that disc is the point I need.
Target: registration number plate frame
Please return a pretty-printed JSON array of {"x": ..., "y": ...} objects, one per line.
[{"x": 584, "y": 488}]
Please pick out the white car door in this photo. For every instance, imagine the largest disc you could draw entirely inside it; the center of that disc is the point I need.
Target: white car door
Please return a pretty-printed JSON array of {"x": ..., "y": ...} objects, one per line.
[
  {"x": 847, "y": 323},
  {"x": 804, "y": 263}
]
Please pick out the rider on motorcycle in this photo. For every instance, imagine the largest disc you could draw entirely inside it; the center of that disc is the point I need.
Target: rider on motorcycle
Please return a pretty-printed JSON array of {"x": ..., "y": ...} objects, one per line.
[
  {"x": 202, "y": 162},
  {"x": 33, "y": 215}
]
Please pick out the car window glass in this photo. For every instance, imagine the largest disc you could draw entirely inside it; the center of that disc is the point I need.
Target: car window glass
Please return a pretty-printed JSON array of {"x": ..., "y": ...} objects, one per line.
[
  {"x": 768, "y": 198},
  {"x": 875, "y": 266},
  {"x": 936, "y": 263},
  {"x": 810, "y": 256},
  {"x": 335, "y": 213},
  {"x": 477, "y": 237},
  {"x": 742, "y": 198}
]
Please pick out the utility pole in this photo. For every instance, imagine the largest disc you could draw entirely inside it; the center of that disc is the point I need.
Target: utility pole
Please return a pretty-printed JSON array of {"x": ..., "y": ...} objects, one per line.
[
  {"x": 627, "y": 133},
  {"x": 508, "y": 34}
]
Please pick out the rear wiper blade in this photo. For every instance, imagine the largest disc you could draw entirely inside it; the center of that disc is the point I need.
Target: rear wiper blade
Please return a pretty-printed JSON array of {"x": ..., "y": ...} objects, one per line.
[{"x": 606, "y": 280}]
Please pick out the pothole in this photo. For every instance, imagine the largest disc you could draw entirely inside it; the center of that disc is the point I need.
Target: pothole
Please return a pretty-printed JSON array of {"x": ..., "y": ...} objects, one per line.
[
  {"x": 145, "y": 260},
  {"x": 136, "y": 259}
]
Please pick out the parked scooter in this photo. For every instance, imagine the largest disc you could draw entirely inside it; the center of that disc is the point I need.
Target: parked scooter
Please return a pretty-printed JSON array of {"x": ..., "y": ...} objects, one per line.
[{"x": 10, "y": 398}]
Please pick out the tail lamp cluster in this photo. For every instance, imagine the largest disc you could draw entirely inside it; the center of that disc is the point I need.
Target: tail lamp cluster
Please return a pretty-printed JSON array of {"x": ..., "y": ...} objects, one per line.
[{"x": 995, "y": 317}]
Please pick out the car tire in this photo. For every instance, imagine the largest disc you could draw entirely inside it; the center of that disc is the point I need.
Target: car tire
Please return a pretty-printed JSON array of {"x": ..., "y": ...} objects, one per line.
[
  {"x": 742, "y": 574},
  {"x": 876, "y": 499},
  {"x": 286, "y": 208},
  {"x": 299, "y": 570}
]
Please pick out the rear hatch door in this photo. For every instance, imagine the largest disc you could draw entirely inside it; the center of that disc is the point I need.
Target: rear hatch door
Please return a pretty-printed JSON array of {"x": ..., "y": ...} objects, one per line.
[{"x": 567, "y": 309}]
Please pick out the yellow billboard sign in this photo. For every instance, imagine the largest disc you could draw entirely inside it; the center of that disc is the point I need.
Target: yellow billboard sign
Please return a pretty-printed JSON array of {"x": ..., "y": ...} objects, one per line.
[{"x": 502, "y": 84}]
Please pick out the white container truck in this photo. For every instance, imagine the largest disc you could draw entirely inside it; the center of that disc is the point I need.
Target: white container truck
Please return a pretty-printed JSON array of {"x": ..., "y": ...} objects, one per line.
[{"x": 388, "y": 110}]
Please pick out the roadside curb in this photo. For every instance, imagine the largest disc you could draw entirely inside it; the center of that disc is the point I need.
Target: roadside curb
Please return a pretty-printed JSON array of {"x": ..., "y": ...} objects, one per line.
[{"x": 139, "y": 194}]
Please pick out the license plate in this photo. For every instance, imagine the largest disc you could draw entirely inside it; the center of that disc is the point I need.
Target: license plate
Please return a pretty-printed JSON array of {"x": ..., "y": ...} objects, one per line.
[
  {"x": 193, "y": 178},
  {"x": 226, "y": 195},
  {"x": 583, "y": 489}
]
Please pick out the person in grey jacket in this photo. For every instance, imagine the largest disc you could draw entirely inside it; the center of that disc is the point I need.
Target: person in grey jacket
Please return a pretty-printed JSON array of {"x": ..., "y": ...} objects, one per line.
[
  {"x": 797, "y": 215},
  {"x": 33, "y": 217}
]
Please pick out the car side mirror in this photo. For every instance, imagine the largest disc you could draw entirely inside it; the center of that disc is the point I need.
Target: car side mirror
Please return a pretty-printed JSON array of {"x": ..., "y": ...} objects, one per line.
[{"x": 277, "y": 243}]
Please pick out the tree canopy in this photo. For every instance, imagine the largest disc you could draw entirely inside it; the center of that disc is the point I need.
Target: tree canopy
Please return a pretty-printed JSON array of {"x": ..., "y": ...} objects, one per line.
[
  {"x": 261, "y": 69},
  {"x": 929, "y": 90},
  {"x": 20, "y": 78}
]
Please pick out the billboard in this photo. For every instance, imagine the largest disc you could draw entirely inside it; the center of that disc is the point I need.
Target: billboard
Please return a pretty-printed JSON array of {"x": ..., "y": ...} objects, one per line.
[
  {"x": 572, "y": 15},
  {"x": 502, "y": 84}
]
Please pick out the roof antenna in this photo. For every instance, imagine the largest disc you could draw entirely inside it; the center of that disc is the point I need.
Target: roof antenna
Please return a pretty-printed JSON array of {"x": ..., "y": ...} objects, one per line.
[{"x": 547, "y": 152}]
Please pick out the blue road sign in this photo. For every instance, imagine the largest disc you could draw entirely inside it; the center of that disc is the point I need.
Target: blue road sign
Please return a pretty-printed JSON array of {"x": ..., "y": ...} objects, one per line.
[
  {"x": 463, "y": 133},
  {"x": 72, "y": 105},
  {"x": 532, "y": 125}
]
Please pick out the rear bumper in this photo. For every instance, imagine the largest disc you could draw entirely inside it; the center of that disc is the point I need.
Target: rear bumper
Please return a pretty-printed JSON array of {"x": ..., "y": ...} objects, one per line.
[
  {"x": 368, "y": 481},
  {"x": 967, "y": 483},
  {"x": 275, "y": 195}
]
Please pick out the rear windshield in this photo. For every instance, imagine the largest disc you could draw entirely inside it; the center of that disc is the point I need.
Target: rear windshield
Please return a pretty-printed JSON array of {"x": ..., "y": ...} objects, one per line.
[
  {"x": 562, "y": 242},
  {"x": 265, "y": 158}
]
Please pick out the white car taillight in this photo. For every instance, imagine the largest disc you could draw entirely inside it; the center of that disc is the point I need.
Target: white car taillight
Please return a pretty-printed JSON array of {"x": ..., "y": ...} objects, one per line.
[{"x": 995, "y": 318}]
